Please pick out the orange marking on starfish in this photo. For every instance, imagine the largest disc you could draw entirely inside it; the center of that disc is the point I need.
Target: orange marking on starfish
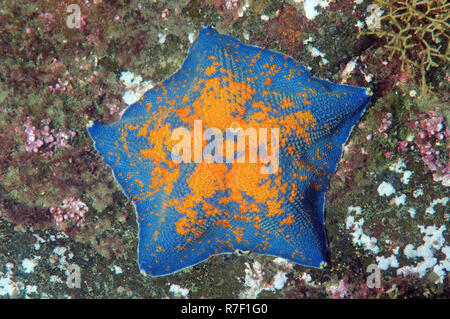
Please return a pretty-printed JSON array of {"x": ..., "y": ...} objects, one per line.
[
  {"x": 183, "y": 113},
  {"x": 294, "y": 192},
  {"x": 139, "y": 182},
  {"x": 304, "y": 119},
  {"x": 210, "y": 70},
  {"x": 286, "y": 103},
  {"x": 225, "y": 223},
  {"x": 238, "y": 232},
  {"x": 289, "y": 220},
  {"x": 131, "y": 127}
]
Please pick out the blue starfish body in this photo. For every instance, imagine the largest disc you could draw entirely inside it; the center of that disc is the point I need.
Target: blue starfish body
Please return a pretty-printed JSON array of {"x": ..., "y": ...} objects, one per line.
[{"x": 208, "y": 204}]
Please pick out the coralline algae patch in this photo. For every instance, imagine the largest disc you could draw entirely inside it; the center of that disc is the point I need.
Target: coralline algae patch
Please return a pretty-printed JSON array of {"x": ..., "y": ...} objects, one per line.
[
  {"x": 178, "y": 291},
  {"x": 46, "y": 267},
  {"x": 433, "y": 241},
  {"x": 11, "y": 287},
  {"x": 255, "y": 282},
  {"x": 310, "y": 7},
  {"x": 135, "y": 87},
  {"x": 18, "y": 279},
  {"x": 354, "y": 224},
  {"x": 425, "y": 251}
]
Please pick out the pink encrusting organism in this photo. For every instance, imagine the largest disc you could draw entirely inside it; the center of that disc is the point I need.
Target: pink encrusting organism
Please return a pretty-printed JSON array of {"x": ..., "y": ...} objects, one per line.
[
  {"x": 70, "y": 209},
  {"x": 46, "y": 140},
  {"x": 34, "y": 142},
  {"x": 432, "y": 132},
  {"x": 48, "y": 19},
  {"x": 339, "y": 292},
  {"x": 385, "y": 124},
  {"x": 402, "y": 146},
  {"x": 113, "y": 108}
]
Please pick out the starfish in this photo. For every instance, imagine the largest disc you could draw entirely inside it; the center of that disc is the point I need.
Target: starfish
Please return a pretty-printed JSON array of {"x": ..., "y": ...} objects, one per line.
[{"x": 232, "y": 152}]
